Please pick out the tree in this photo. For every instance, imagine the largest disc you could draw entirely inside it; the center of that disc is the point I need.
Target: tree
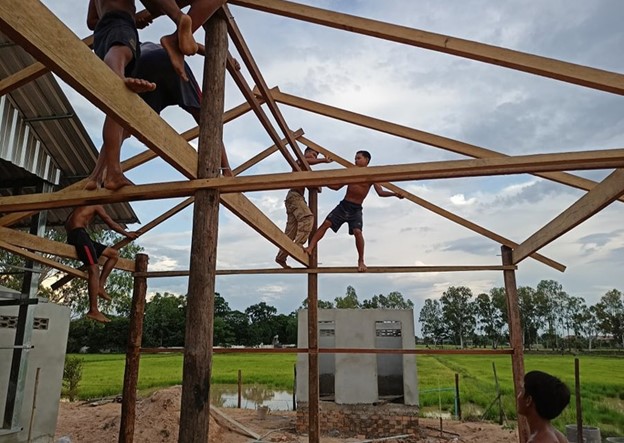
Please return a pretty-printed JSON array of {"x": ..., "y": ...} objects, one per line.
[
  {"x": 458, "y": 312},
  {"x": 322, "y": 304},
  {"x": 610, "y": 314},
  {"x": 528, "y": 315},
  {"x": 549, "y": 298},
  {"x": 394, "y": 300},
  {"x": 164, "y": 323},
  {"x": 430, "y": 318},
  {"x": 489, "y": 319},
  {"x": 261, "y": 318},
  {"x": 349, "y": 301}
]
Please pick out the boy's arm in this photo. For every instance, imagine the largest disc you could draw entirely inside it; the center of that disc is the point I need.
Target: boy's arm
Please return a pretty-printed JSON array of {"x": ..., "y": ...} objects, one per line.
[
  {"x": 92, "y": 15},
  {"x": 316, "y": 161},
  {"x": 383, "y": 193},
  {"x": 113, "y": 224}
]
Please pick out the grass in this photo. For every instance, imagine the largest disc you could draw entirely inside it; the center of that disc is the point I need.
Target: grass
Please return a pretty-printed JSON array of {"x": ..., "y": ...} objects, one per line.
[{"x": 602, "y": 380}]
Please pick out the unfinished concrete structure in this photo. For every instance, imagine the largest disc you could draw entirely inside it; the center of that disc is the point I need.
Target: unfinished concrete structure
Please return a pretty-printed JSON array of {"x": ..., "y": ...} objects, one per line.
[
  {"x": 361, "y": 394},
  {"x": 33, "y": 27},
  {"x": 37, "y": 405},
  {"x": 356, "y": 378}
]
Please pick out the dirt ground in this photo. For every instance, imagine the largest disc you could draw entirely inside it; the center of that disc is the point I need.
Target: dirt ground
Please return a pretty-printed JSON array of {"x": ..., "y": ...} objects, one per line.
[{"x": 158, "y": 415}]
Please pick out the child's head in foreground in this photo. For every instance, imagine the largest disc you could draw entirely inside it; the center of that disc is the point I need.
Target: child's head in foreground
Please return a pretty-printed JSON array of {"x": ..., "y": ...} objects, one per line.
[{"x": 546, "y": 393}]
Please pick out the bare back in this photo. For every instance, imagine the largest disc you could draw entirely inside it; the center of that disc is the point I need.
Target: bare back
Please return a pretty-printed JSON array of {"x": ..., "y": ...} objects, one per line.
[
  {"x": 356, "y": 193},
  {"x": 104, "y": 6},
  {"x": 80, "y": 217}
]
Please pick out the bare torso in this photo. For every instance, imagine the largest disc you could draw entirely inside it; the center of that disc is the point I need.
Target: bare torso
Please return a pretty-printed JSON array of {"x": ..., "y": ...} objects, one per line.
[
  {"x": 80, "y": 217},
  {"x": 356, "y": 193},
  {"x": 104, "y": 6}
]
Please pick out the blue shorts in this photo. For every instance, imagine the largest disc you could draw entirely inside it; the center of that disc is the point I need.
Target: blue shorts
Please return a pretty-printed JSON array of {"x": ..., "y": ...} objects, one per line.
[{"x": 348, "y": 212}]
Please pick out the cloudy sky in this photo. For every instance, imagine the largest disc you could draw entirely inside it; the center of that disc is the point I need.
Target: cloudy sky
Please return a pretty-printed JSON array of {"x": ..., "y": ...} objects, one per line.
[{"x": 485, "y": 105}]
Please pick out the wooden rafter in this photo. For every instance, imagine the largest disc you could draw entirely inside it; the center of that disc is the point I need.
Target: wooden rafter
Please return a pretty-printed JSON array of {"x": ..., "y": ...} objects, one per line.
[
  {"x": 436, "y": 209},
  {"x": 262, "y": 155},
  {"x": 23, "y": 239},
  {"x": 253, "y": 69},
  {"x": 419, "y": 136},
  {"x": 594, "y": 201},
  {"x": 412, "y": 171},
  {"x": 257, "y": 108},
  {"x": 40, "y": 259},
  {"x": 521, "y": 61}
]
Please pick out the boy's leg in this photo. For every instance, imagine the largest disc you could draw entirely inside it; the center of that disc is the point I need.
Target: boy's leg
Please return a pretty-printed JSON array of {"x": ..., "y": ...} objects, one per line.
[
  {"x": 108, "y": 167},
  {"x": 359, "y": 245},
  {"x": 112, "y": 257},
  {"x": 290, "y": 231},
  {"x": 93, "y": 286},
  {"x": 318, "y": 235}
]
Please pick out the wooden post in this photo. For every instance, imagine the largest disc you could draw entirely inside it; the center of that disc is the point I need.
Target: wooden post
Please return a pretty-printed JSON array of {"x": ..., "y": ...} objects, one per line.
[
  {"x": 314, "y": 428},
  {"x": 240, "y": 388},
  {"x": 457, "y": 399},
  {"x": 294, "y": 387},
  {"x": 197, "y": 368},
  {"x": 515, "y": 336},
  {"x": 498, "y": 395},
  {"x": 579, "y": 409},
  {"x": 133, "y": 353}
]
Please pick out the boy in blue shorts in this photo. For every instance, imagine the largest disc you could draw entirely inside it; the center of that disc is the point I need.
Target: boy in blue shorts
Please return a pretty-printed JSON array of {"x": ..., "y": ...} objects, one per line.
[{"x": 349, "y": 210}]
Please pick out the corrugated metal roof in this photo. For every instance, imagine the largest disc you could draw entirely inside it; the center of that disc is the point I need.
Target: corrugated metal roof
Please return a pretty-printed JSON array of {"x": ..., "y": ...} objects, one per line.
[{"x": 50, "y": 118}]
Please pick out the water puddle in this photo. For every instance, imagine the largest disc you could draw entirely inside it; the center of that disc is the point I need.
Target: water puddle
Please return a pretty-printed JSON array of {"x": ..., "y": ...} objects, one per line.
[{"x": 252, "y": 396}]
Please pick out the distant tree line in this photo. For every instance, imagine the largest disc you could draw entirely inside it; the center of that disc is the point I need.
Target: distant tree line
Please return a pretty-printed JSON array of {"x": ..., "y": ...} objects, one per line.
[
  {"x": 550, "y": 317},
  {"x": 165, "y": 314}
]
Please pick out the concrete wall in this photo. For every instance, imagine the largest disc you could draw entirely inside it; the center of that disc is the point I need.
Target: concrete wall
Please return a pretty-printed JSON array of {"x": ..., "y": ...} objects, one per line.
[
  {"x": 356, "y": 375},
  {"x": 48, "y": 354}
]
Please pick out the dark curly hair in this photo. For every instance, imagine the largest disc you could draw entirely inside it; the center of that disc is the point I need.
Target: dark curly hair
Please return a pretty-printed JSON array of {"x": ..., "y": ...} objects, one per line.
[{"x": 549, "y": 394}]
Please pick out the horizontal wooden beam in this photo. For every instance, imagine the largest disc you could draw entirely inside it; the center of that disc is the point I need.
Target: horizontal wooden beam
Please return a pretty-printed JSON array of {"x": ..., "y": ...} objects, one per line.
[
  {"x": 23, "y": 239},
  {"x": 436, "y": 209},
  {"x": 591, "y": 203},
  {"x": 217, "y": 350},
  {"x": 415, "y": 171},
  {"x": 41, "y": 259},
  {"x": 427, "y": 138},
  {"x": 336, "y": 270},
  {"x": 521, "y": 61}
]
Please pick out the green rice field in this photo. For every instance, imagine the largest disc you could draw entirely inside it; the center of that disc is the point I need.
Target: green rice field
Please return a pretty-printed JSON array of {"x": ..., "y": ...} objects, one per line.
[{"x": 602, "y": 381}]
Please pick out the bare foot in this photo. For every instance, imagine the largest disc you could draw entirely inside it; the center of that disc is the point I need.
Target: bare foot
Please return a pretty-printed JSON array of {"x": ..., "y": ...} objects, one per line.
[
  {"x": 139, "y": 85},
  {"x": 115, "y": 182},
  {"x": 282, "y": 263},
  {"x": 361, "y": 266},
  {"x": 103, "y": 294},
  {"x": 98, "y": 316},
  {"x": 92, "y": 184},
  {"x": 170, "y": 43},
  {"x": 186, "y": 42}
]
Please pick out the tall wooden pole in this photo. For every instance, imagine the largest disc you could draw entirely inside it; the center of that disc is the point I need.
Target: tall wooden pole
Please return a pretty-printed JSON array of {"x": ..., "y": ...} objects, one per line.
[
  {"x": 314, "y": 428},
  {"x": 515, "y": 336},
  {"x": 133, "y": 353},
  {"x": 195, "y": 404}
]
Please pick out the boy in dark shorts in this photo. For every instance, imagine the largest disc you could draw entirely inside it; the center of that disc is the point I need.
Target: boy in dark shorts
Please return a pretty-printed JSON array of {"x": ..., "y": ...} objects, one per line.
[
  {"x": 349, "y": 210},
  {"x": 116, "y": 41},
  {"x": 541, "y": 400},
  {"x": 155, "y": 66},
  {"x": 89, "y": 251}
]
